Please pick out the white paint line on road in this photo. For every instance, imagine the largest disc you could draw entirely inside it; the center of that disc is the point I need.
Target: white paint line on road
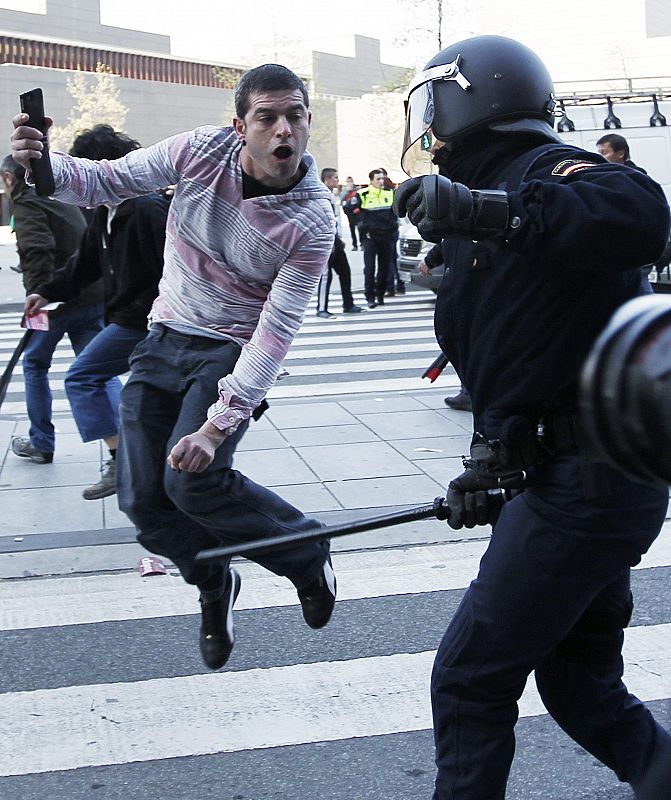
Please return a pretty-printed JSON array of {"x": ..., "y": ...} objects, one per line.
[
  {"x": 347, "y": 367},
  {"x": 380, "y": 349},
  {"x": 280, "y": 391},
  {"x": 363, "y": 574},
  {"x": 59, "y": 601},
  {"x": 366, "y": 338},
  {"x": 59, "y": 729}
]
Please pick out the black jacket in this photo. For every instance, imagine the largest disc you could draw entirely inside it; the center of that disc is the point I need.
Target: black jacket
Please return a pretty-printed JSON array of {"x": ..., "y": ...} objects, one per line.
[
  {"x": 130, "y": 260},
  {"x": 47, "y": 234},
  {"x": 517, "y": 319}
]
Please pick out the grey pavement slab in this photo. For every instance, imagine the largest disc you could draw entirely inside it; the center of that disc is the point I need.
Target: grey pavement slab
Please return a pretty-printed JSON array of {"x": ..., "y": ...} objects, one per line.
[
  {"x": 112, "y": 516},
  {"x": 436, "y": 399},
  {"x": 62, "y": 508},
  {"x": 333, "y": 434},
  {"x": 406, "y": 424},
  {"x": 432, "y": 447},
  {"x": 442, "y": 470},
  {"x": 274, "y": 467},
  {"x": 406, "y": 490},
  {"x": 381, "y": 405},
  {"x": 266, "y": 439},
  {"x": 311, "y": 498},
  {"x": 301, "y": 415},
  {"x": 359, "y": 460},
  {"x": 23, "y": 474}
]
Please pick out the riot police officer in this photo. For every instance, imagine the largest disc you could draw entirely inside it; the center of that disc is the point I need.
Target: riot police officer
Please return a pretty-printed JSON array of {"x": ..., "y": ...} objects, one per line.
[{"x": 542, "y": 241}]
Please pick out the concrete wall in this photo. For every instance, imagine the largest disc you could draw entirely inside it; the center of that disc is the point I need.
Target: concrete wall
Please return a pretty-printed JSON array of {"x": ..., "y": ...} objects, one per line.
[
  {"x": 79, "y": 21},
  {"x": 344, "y": 76},
  {"x": 658, "y": 18},
  {"x": 156, "y": 110}
]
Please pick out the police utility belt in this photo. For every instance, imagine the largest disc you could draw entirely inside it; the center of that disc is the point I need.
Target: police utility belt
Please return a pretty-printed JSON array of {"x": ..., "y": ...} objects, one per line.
[{"x": 503, "y": 463}]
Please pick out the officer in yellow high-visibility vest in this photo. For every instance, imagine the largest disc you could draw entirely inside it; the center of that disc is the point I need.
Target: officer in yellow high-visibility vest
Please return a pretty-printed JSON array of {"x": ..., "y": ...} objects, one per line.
[{"x": 377, "y": 227}]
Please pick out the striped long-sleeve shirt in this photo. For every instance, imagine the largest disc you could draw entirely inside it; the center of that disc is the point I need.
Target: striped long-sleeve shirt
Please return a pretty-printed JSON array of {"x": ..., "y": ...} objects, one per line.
[{"x": 237, "y": 269}]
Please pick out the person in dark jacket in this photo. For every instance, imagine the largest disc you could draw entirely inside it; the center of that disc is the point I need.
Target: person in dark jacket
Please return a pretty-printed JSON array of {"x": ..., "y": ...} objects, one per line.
[
  {"x": 350, "y": 204},
  {"x": 542, "y": 242},
  {"x": 47, "y": 234},
  {"x": 123, "y": 245}
]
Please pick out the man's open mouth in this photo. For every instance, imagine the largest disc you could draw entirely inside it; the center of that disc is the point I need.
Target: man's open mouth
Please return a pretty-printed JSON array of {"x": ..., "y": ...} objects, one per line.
[{"x": 283, "y": 152}]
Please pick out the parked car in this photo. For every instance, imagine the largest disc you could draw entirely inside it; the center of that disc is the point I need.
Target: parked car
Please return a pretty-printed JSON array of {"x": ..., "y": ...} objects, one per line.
[{"x": 411, "y": 249}]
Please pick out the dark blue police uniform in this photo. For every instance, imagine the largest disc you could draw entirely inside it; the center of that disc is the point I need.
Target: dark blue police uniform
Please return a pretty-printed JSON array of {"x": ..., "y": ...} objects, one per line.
[{"x": 552, "y": 594}]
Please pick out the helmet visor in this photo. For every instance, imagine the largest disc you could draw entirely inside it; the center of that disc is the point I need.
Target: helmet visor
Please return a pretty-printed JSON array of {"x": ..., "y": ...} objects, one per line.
[
  {"x": 416, "y": 158},
  {"x": 420, "y": 113}
]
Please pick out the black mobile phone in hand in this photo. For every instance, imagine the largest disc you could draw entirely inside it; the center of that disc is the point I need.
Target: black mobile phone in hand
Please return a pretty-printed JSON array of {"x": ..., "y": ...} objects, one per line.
[{"x": 32, "y": 103}]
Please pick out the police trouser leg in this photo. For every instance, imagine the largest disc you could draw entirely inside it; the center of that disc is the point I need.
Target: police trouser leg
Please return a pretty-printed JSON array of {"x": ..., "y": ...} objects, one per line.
[
  {"x": 581, "y": 686},
  {"x": 553, "y": 560},
  {"x": 384, "y": 245},
  {"x": 369, "y": 255}
]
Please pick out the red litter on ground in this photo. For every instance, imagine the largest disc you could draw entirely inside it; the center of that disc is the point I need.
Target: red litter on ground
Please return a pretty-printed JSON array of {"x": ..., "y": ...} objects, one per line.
[{"x": 151, "y": 566}]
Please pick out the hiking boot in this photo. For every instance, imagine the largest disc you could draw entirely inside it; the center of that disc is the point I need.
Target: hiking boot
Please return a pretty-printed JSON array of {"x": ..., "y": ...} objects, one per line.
[
  {"x": 216, "y": 629},
  {"x": 460, "y": 402},
  {"x": 106, "y": 486},
  {"x": 22, "y": 448},
  {"x": 318, "y": 598}
]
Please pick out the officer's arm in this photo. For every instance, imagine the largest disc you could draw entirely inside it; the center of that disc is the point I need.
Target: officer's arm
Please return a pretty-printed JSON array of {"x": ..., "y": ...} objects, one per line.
[
  {"x": 601, "y": 217},
  {"x": 440, "y": 207}
]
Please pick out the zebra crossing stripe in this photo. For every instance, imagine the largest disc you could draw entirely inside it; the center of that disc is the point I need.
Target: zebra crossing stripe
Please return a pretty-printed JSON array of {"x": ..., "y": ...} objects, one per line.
[
  {"x": 428, "y": 568},
  {"x": 116, "y": 723}
]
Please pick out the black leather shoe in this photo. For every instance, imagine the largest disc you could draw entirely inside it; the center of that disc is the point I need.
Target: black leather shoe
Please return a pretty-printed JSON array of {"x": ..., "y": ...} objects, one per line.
[
  {"x": 400, "y": 288},
  {"x": 460, "y": 402},
  {"x": 216, "y": 630},
  {"x": 318, "y": 598}
]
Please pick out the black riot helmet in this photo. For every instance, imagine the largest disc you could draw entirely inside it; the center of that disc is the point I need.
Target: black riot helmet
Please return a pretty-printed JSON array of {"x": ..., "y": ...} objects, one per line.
[{"x": 484, "y": 82}]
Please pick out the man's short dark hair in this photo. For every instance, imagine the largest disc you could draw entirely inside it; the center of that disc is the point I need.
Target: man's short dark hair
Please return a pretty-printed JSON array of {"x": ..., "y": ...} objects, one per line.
[
  {"x": 328, "y": 172},
  {"x": 10, "y": 164},
  {"x": 373, "y": 173},
  {"x": 266, "y": 78},
  {"x": 102, "y": 141},
  {"x": 618, "y": 143}
]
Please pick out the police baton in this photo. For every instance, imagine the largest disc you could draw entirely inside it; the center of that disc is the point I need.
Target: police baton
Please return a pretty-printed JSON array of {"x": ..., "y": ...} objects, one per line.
[{"x": 438, "y": 509}]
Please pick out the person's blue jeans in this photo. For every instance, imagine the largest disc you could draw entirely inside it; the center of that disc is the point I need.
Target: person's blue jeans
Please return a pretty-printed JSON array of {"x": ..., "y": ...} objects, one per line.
[
  {"x": 81, "y": 324},
  {"x": 91, "y": 383},
  {"x": 173, "y": 382},
  {"x": 552, "y": 595}
]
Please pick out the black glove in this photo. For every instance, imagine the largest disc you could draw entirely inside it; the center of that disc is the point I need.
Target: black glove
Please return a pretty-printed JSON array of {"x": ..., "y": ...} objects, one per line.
[
  {"x": 475, "y": 499},
  {"x": 439, "y": 208}
]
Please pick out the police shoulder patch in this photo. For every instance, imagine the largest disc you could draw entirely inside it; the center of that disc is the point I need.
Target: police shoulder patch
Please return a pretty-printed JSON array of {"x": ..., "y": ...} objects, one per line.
[{"x": 570, "y": 165}]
